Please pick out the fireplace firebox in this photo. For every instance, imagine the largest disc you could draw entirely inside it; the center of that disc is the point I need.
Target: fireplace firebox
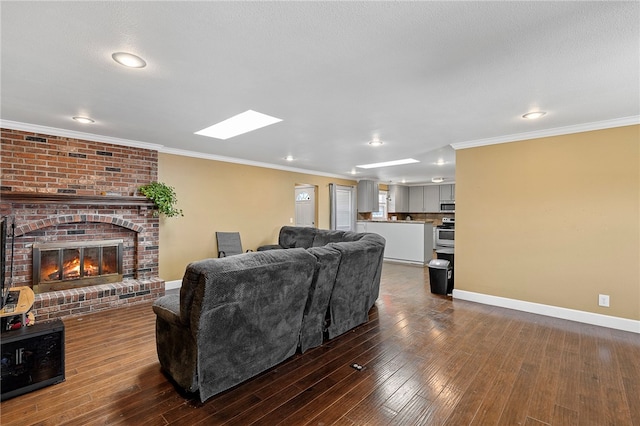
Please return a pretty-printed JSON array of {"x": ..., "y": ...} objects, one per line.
[{"x": 67, "y": 265}]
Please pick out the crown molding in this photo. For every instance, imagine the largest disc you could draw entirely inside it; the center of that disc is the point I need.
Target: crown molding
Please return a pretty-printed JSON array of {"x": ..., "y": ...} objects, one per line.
[
  {"x": 558, "y": 131},
  {"x": 234, "y": 160},
  {"x": 54, "y": 131}
]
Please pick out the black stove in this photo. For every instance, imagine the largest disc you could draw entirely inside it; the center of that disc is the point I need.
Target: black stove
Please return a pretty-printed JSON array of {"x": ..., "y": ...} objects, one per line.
[{"x": 447, "y": 223}]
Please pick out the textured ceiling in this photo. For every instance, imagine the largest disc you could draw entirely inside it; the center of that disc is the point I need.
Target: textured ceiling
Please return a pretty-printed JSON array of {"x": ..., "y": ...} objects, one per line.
[{"x": 421, "y": 75}]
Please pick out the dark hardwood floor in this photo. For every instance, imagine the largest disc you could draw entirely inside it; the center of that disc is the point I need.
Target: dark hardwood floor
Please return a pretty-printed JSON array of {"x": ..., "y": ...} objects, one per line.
[{"x": 428, "y": 360}]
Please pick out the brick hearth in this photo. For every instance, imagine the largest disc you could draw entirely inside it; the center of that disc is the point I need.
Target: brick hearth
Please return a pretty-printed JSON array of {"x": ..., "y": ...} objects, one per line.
[
  {"x": 64, "y": 303},
  {"x": 68, "y": 190}
]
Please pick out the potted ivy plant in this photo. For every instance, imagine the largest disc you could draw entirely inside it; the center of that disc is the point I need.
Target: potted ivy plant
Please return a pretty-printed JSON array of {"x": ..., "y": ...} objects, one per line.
[{"x": 163, "y": 196}]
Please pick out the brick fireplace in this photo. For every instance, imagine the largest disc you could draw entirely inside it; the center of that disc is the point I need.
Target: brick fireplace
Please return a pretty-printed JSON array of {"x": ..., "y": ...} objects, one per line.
[{"x": 76, "y": 194}]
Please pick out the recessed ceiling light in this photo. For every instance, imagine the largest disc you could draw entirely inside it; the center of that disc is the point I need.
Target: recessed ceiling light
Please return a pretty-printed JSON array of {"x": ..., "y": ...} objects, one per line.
[
  {"x": 84, "y": 120},
  {"x": 440, "y": 162},
  {"x": 533, "y": 115},
  {"x": 238, "y": 124},
  {"x": 375, "y": 141},
  {"x": 289, "y": 158},
  {"x": 129, "y": 60},
  {"x": 353, "y": 172},
  {"x": 437, "y": 180},
  {"x": 388, "y": 163}
]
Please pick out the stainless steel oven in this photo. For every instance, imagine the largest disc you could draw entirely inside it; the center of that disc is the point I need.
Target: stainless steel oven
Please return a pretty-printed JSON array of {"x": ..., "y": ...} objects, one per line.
[
  {"x": 446, "y": 233},
  {"x": 445, "y": 237}
]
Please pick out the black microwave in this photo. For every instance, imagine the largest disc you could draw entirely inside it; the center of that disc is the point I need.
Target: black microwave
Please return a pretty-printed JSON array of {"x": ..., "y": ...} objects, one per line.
[{"x": 447, "y": 207}]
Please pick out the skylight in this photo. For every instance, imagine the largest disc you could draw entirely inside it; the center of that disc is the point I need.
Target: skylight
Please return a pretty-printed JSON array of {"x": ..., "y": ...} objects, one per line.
[
  {"x": 388, "y": 163},
  {"x": 238, "y": 124}
]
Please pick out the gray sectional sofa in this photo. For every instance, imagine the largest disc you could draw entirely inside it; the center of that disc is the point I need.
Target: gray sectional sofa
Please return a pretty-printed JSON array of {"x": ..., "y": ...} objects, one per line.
[{"x": 240, "y": 315}]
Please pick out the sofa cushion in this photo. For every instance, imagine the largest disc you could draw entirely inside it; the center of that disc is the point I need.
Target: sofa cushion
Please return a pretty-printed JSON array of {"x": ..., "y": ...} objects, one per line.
[
  {"x": 352, "y": 292},
  {"x": 315, "y": 311},
  {"x": 380, "y": 242},
  {"x": 354, "y": 236},
  {"x": 326, "y": 236},
  {"x": 296, "y": 236}
]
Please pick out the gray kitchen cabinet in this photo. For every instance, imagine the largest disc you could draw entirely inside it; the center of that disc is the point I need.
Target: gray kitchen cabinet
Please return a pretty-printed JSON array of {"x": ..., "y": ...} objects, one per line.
[
  {"x": 424, "y": 199},
  {"x": 398, "y": 199},
  {"x": 368, "y": 196},
  {"x": 448, "y": 192},
  {"x": 416, "y": 199},
  {"x": 431, "y": 198}
]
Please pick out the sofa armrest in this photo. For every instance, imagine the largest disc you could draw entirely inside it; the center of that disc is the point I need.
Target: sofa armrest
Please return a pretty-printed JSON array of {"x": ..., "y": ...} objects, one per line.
[
  {"x": 168, "y": 308},
  {"x": 270, "y": 247},
  {"x": 175, "y": 344}
]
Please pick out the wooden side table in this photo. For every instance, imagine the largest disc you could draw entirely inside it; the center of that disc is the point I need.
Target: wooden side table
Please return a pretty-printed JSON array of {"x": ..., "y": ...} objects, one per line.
[{"x": 21, "y": 306}]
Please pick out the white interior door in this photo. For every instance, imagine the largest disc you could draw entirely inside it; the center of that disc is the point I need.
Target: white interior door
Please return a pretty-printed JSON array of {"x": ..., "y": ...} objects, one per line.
[
  {"x": 343, "y": 207},
  {"x": 306, "y": 206}
]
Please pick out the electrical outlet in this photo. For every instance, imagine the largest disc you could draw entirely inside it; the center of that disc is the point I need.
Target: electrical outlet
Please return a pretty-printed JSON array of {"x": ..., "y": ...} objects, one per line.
[
  {"x": 603, "y": 300},
  {"x": 290, "y": 220}
]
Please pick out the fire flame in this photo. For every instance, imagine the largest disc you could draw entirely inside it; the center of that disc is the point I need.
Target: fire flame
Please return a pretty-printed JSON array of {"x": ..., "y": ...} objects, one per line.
[{"x": 70, "y": 270}]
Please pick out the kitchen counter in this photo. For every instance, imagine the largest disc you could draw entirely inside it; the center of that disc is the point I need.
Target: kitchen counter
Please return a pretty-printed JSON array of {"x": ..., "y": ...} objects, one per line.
[
  {"x": 397, "y": 221},
  {"x": 410, "y": 243}
]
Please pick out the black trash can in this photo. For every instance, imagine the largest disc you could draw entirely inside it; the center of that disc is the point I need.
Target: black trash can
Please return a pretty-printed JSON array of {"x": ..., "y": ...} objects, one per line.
[
  {"x": 447, "y": 254},
  {"x": 439, "y": 276}
]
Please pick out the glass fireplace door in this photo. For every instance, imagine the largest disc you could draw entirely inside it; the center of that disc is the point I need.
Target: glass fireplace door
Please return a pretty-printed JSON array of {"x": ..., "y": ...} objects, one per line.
[{"x": 60, "y": 266}]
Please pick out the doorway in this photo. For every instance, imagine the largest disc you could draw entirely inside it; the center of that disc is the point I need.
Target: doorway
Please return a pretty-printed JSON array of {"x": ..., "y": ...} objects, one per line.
[
  {"x": 343, "y": 207},
  {"x": 305, "y": 205}
]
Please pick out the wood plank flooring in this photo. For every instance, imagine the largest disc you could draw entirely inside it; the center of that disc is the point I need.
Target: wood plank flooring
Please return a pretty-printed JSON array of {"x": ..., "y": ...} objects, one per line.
[{"x": 429, "y": 360}]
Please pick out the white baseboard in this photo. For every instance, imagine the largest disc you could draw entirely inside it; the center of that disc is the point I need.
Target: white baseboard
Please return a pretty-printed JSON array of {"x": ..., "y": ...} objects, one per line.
[
  {"x": 170, "y": 285},
  {"x": 550, "y": 311},
  {"x": 404, "y": 262}
]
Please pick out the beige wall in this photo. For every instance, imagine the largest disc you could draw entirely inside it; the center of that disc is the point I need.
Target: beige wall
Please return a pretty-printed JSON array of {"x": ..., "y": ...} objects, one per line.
[
  {"x": 219, "y": 196},
  {"x": 554, "y": 221}
]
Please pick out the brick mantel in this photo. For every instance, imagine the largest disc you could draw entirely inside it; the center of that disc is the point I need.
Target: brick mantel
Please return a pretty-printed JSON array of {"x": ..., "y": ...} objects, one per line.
[{"x": 46, "y": 198}]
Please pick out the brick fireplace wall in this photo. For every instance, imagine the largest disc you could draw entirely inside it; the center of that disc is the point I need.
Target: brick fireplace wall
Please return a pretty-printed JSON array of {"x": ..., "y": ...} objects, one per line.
[
  {"x": 50, "y": 164},
  {"x": 62, "y": 189}
]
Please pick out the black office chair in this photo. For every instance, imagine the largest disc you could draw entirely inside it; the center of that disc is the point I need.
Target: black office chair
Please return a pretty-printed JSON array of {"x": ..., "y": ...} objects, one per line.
[{"x": 229, "y": 244}]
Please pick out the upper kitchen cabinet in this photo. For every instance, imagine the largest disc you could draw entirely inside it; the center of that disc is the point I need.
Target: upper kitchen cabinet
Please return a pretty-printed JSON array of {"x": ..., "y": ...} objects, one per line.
[
  {"x": 448, "y": 192},
  {"x": 424, "y": 199},
  {"x": 368, "y": 196},
  {"x": 398, "y": 199},
  {"x": 416, "y": 199},
  {"x": 431, "y": 199}
]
